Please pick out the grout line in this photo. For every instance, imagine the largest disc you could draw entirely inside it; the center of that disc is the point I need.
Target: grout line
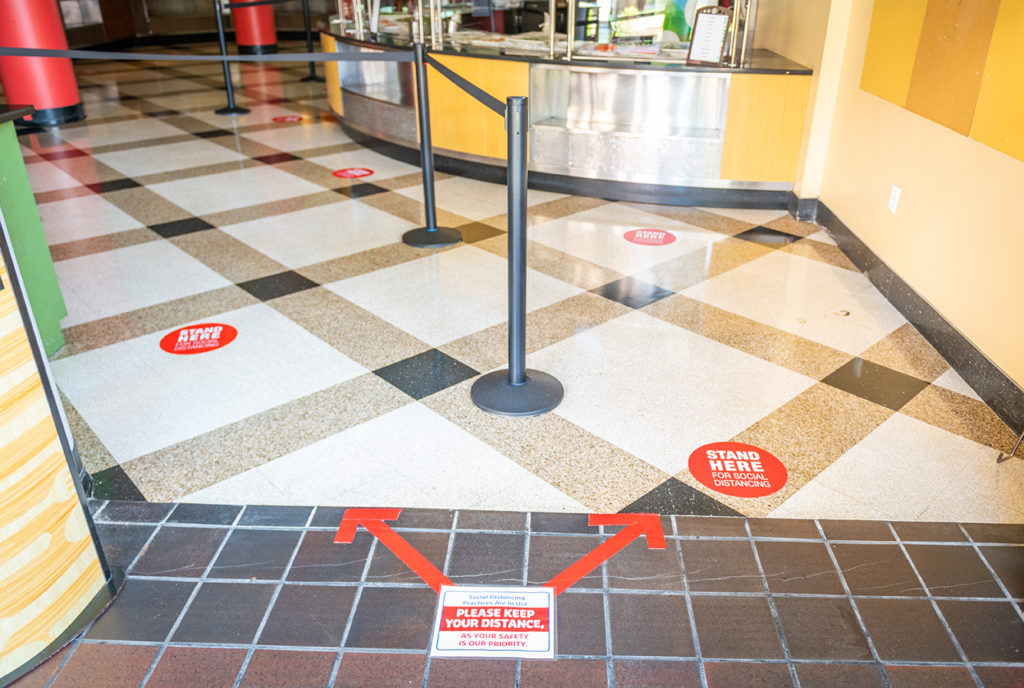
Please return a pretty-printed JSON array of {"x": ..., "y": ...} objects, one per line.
[
  {"x": 991, "y": 570},
  {"x": 937, "y": 610},
  {"x": 689, "y": 607},
  {"x": 607, "y": 605},
  {"x": 774, "y": 610},
  {"x": 856, "y": 610},
  {"x": 355, "y": 604},
  {"x": 74, "y": 645},
  {"x": 525, "y": 580}
]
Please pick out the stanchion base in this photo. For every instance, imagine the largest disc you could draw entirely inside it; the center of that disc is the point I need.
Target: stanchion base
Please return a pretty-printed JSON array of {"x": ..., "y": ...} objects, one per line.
[
  {"x": 539, "y": 394},
  {"x": 234, "y": 111},
  {"x": 435, "y": 238},
  {"x": 311, "y": 79}
]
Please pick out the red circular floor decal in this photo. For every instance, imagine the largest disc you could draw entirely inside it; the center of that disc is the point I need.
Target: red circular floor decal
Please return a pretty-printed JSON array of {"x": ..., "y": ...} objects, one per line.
[
  {"x": 650, "y": 237},
  {"x": 198, "y": 339},
  {"x": 352, "y": 173},
  {"x": 739, "y": 470},
  {"x": 289, "y": 118}
]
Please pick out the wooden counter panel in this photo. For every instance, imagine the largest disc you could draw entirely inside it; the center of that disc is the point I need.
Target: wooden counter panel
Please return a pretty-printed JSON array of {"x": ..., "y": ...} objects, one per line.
[{"x": 764, "y": 127}]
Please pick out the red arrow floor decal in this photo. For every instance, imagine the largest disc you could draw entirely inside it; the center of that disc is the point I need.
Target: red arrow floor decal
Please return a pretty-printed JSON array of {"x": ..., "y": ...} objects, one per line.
[
  {"x": 373, "y": 521},
  {"x": 636, "y": 525}
]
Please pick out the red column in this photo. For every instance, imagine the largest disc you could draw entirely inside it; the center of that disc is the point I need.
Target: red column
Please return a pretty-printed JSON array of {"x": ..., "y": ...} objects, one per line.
[
  {"x": 255, "y": 32},
  {"x": 48, "y": 83}
]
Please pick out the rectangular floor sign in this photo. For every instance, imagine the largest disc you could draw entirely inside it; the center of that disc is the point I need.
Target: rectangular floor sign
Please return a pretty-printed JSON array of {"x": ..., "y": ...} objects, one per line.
[{"x": 492, "y": 622}]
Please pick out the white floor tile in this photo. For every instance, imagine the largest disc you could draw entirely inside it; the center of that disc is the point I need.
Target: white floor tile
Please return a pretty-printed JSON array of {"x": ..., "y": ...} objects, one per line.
[
  {"x": 83, "y": 217},
  {"x": 258, "y": 114},
  {"x": 293, "y": 137},
  {"x": 816, "y": 500},
  {"x": 448, "y": 295},
  {"x": 322, "y": 233},
  {"x": 805, "y": 297},
  {"x": 138, "y": 398},
  {"x": 45, "y": 176},
  {"x": 659, "y": 391},
  {"x": 172, "y": 156},
  {"x": 952, "y": 380},
  {"x": 95, "y": 135},
  {"x": 823, "y": 237},
  {"x": 227, "y": 190},
  {"x": 104, "y": 284},
  {"x": 474, "y": 199},
  {"x": 410, "y": 457},
  {"x": 383, "y": 167},
  {"x": 598, "y": 235}
]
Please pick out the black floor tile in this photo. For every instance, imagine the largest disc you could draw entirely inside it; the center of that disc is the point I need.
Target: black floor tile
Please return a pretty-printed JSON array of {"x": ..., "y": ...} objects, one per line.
[
  {"x": 393, "y": 618},
  {"x": 767, "y": 236},
  {"x": 179, "y": 552},
  {"x": 710, "y": 526},
  {"x": 836, "y": 675},
  {"x": 492, "y": 520},
  {"x": 919, "y": 531},
  {"x": 212, "y": 133},
  {"x": 987, "y": 631},
  {"x": 145, "y": 610},
  {"x": 638, "y": 567},
  {"x": 857, "y": 530},
  {"x": 1010, "y": 533},
  {"x": 931, "y": 677},
  {"x": 907, "y": 630},
  {"x": 113, "y": 185},
  {"x": 487, "y": 559},
  {"x": 122, "y": 542},
  {"x": 225, "y": 613},
  {"x": 427, "y": 373},
  {"x": 650, "y": 626},
  {"x": 1008, "y": 563},
  {"x": 747, "y": 675},
  {"x": 387, "y": 568},
  {"x": 206, "y": 514},
  {"x": 736, "y": 628},
  {"x": 676, "y": 497},
  {"x": 477, "y": 231},
  {"x": 255, "y": 554},
  {"x": 953, "y": 571},
  {"x": 794, "y": 528},
  {"x": 281, "y": 284},
  {"x": 632, "y": 292},
  {"x": 179, "y": 227},
  {"x": 160, "y": 113},
  {"x": 308, "y": 615},
  {"x": 284, "y": 516},
  {"x": 799, "y": 567},
  {"x": 561, "y": 523},
  {"x": 876, "y": 570},
  {"x": 135, "y": 512},
  {"x": 580, "y": 623},
  {"x": 327, "y": 516},
  {"x": 876, "y": 383},
  {"x": 320, "y": 559},
  {"x": 434, "y": 519},
  {"x": 552, "y": 554},
  {"x": 361, "y": 190},
  {"x": 275, "y": 158},
  {"x": 720, "y": 566},
  {"x": 114, "y": 483},
  {"x": 821, "y": 628},
  {"x": 640, "y": 673}
]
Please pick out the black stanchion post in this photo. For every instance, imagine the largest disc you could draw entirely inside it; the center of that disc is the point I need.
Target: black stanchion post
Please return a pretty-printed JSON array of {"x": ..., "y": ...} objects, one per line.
[
  {"x": 430, "y": 236},
  {"x": 309, "y": 44},
  {"x": 231, "y": 109},
  {"x": 517, "y": 391}
]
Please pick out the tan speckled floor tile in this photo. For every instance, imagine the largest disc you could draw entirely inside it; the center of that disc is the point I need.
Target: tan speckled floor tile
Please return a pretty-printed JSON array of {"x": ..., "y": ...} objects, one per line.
[
  {"x": 488, "y": 349},
  {"x": 200, "y": 171},
  {"x": 695, "y": 267},
  {"x": 583, "y": 466},
  {"x": 87, "y": 170},
  {"x": 364, "y": 262},
  {"x": 782, "y": 348},
  {"x": 696, "y": 217},
  {"x": 311, "y": 172},
  {"x": 263, "y": 210},
  {"x": 99, "y": 244},
  {"x": 366, "y": 339},
  {"x": 907, "y": 351},
  {"x": 147, "y": 207},
  {"x": 561, "y": 207},
  {"x": 788, "y": 224},
  {"x": 962, "y": 416},
  {"x": 94, "y": 455},
  {"x": 227, "y": 255},
  {"x": 411, "y": 210},
  {"x": 118, "y": 328},
  {"x": 817, "y": 250},
  {"x": 550, "y": 261},
  {"x": 62, "y": 194},
  {"x": 133, "y": 145},
  {"x": 171, "y": 473},
  {"x": 400, "y": 182}
]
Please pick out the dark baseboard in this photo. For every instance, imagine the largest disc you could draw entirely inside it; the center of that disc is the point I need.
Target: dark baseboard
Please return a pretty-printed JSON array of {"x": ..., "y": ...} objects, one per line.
[
  {"x": 803, "y": 209},
  {"x": 996, "y": 388}
]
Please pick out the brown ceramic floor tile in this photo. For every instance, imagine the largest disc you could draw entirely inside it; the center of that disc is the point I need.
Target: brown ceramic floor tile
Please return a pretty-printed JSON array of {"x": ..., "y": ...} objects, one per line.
[
  {"x": 987, "y": 631},
  {"x": 650, "y": 625},
  {"x": 907, "y": 351},
  {"x": 720, "y": 566},
  {"x": 736, "y": 628},
  {"x": 906, "y": 630},
  {"x": 359, "y": 670},
  {"x": 179, "y": 552},
  {"x": 916, "y": 531},
  {"x": 799, "y": 567},
  {"x": 492, "y": 520},
  {"x": 800, "y": 529},
  {"x": 387, "y": 568},
  {"x": 487, "y": 559},
  {"x": 99, "y": 244},
  {"x": 472, "y": 673},
  {"x": 834, "y": 675},
  {"x": 562, "y": 523},
  {"x": 747, "y": 675},
  {"x": 40, "y": 676},
  {"x": 857, "y": 530},
  {"x": 638, "y": 567},
  {"x": 105, "y": 666},
  {"x": 592, "y": 673},
  {"x": 320, "y": 559},
  {"x": 1008, "y": 563},
  {"x": 876, "y": 570},
  {"x": 953, "y": 571},
  {"x": 284, "y": 669},
  {"x": 255, "y": 554},
  {"x": 962, "y": 416},
  {"x": 197, "y": 666},
  {"x": 434, "y": 519},
  {"x": 308, "y": 616},
  {"x": 552, "y": 554},
  {"x": 393, "y": 618},
  {"x": 637, "y": 673},
  {"x": 710, "y": 526},
  {"x": 929, "y": 677},
  {"x": 225, "y": 613},
  {"x": 821, "y": 628},
  {"x": 1001, "y": 677},
  {"x": 996, "y": 532},
  {"x": 580, "y": 624},
  {"x": 144, "y": 610}
]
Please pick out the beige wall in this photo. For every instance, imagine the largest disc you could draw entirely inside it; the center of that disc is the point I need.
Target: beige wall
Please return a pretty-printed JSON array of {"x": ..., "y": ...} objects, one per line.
[{"x": 957, "y": 236}]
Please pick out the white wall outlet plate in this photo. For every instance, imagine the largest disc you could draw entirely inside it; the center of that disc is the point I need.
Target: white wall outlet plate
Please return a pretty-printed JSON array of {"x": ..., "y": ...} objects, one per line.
[{"x": 894, "y": 198}]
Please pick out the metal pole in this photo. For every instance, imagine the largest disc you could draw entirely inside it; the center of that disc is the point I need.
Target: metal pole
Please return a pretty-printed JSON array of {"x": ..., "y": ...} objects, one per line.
[
  {"x": 309, "y": 43},
  {"x": 517, "y": 391},
  {"x": 231, "y": 109},
  {"x": 570, "y": 28},
  {"x": 552, "y": 9},
  {"x": 430, "y": 236}
]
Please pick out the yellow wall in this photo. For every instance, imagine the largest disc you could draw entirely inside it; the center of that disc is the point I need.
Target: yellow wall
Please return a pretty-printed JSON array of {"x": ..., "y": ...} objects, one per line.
[{"x": 956, "y": 237}]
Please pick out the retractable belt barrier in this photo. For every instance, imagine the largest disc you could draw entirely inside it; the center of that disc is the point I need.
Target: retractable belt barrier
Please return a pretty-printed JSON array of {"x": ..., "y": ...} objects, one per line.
[{"x": 395, "y": 56}]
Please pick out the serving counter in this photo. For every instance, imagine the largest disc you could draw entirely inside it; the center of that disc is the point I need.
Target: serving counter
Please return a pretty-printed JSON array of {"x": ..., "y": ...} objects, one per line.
[{"x": 626, "y": 130}]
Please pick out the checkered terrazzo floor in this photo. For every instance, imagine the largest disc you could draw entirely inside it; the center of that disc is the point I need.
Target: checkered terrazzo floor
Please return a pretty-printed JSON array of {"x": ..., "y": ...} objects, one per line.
[{"x": 348, "y": 382}]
